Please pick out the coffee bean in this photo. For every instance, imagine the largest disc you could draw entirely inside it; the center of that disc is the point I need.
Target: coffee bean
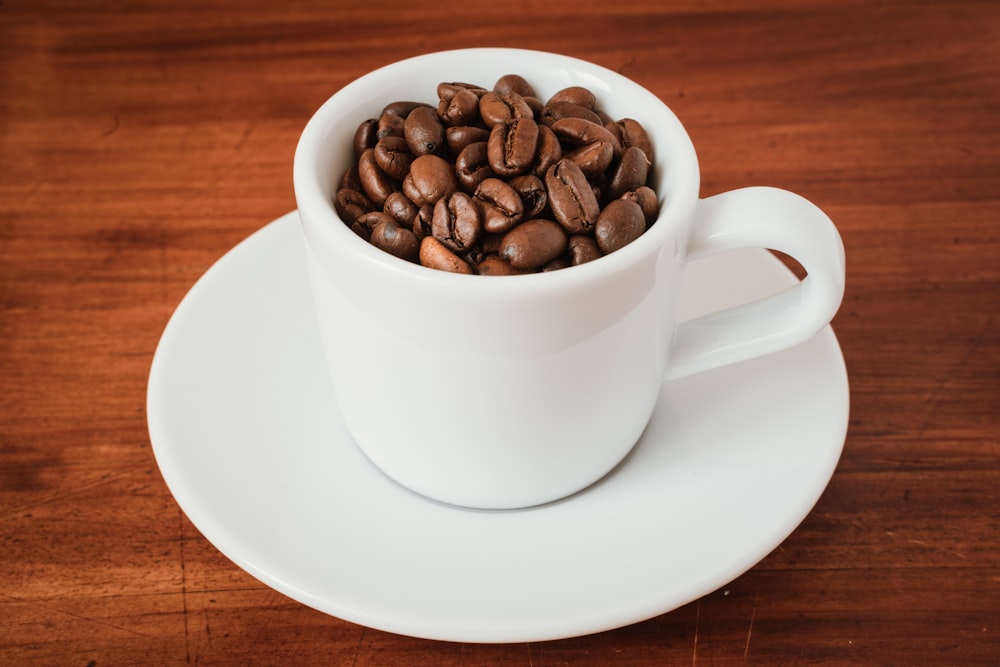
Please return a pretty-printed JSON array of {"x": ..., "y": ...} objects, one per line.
[
  {"x": 532, "y": 192},
  {"x": 645, "y": 197},
  {"x": 395, "y": 240},
  {"x": 583, "y": 249},
  {"x": 435, "y": 255},
  {"x": 432, "y": 178},
  {"x": 472, "y": 166},
  {"x": 575, "y": 95},
  {"x": 495, "y": 108},
  {"x": 533, "y": 243},
  {"x": 423, "y": 131},
  {"x": 553, "y": 111},
  {"x": 512, "y": 146},
  {"x": 393, "y": 156},
  {"x": 457, "y": 222},
  {"x": 460, "y": 136},
  {"x": 501, "y": 205},
  {"x": 376, "y": 183},
  {"x": 514, "y": 83},
  {"x": 400, "y": 208},
  {"x": 582, "y": 132},
  {"x": 402, "y": 108},
  {"x": 631, "y": 172},
  {"x": 632, "y": 133},
  {"x": 549, "y": 150},
  {"x": 365, "y": 136},
  {"x": 389, "y": 125},
  {"x": 461, "y": 109},
  {"x": 571, "y": 197},
  {"x": 364, "y": 225},
  {"x": 620, "y": 223},
  {"x": 350, "y": 203},
  {"x": 446, "y": 90},
  {"x": 494, "y": 265}
]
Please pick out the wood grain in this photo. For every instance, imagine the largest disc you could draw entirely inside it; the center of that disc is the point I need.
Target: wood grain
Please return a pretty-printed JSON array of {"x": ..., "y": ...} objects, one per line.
[{"x": 141, "y": 140}]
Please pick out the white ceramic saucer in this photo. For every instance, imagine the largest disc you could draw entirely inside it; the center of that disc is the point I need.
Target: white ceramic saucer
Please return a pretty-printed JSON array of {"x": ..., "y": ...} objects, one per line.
[{"x": 248, "y": 438}]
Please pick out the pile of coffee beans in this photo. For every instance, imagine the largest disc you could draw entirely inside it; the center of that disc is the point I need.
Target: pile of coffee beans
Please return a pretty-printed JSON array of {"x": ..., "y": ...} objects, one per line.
[{"x": 498, "y": 182}]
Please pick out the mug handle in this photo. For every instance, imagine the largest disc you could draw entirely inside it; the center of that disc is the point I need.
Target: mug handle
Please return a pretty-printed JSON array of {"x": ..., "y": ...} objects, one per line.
[{"x": 761, "y": 217}]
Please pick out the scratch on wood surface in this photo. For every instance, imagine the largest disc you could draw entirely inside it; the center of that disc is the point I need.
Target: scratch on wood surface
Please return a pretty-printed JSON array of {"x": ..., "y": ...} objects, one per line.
[
  {"x": 697, "y": 623},
  {"x": 531, "y": 661},
  {"x": 81, "y": 617},
  {"x": 357, "y": 645},
  {"x": 746, "y": 647},
  {"x": 184, "y": 604}
]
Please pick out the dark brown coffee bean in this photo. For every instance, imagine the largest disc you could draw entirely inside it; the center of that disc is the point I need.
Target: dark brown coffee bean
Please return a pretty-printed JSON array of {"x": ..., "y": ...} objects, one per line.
[
  {"x": 583, "y": 249},
  {"x": 365, "y": 136},
  {"x": 582, "y": 132},
  {"x": 632, "y": 133},
  {"x": 645, "y": 197},
  {"x": 422, "y": 221},
  {"x": 392, "y": 154},
  {"x": 631, "y": 172},
  {"x": 446, "y": 90},
  {"x": 490, "y": 243},
  {"x": 457, "y": 222},
  {"x": 376, "y": 183},
  {"x": 571, "y": 197},
  {"x": 575, "y": 95},
  {"x": 495, "y": 108},
  {"x": 389, "y": 125},
  {"x": 531, "y": 190},
  {"x": 402, "y": 108},
  {"x": 512, "y": 146},
  {"x": 395, "y": 240},
  {"x": 431, "y": 178},
  {"x": 593, "y": 158},
  {"x": 501, "y": 205},
  {"x": 460, "y": 136},
  {"x": 350, "y": 180},
  {"x": 549, "y": 150},
  {"x": 472, "y": 166},
  {"x": 350, "y": 204},
  {"x": 435, "y": 255},
  {"x": 496, "y": 266},
  {"x": 514, "y": 83},
  {"x": 533, "y": 243},
  {"x": 400, "y": 208},
  {"x": 620, "y": 223},
  {"x": 424, "y": 132},
  {"x": 366, "y": 223},
  {"x": 553, "y": 111},
  {"x": 461, "y": 109},
  {"x": 560, "y": 262}
]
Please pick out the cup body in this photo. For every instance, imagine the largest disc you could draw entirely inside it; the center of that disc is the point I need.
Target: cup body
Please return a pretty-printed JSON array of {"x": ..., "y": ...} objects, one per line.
[{"x": 494, "y": 392}]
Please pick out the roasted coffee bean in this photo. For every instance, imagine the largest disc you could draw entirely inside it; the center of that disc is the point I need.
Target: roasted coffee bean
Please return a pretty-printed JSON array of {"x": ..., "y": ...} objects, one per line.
[
  {"x": 514, "y": 83},
  {"x": 472, "y": 166},
  {"x": 630, "y": 174},
  {"x": 531, "y": 190},
  {"x": 582, "y": 132},
  {"x": 376, "y": 183},
  {"x": 402, "y": 108},
  {"x": 461, "y": 109},
  {"x": 365, "y": 136},
  {"x": 620, "y": 223},
  {"x": 460, "y": 136},
  {"x": 422, "y": 222},
  {"x": 446, "y": 90},
  {"x": 431, "y": 179},
  {"x": 366, "y": 223},
  {"x": 493, "y": 265},
  {"x": 495, "y": 108},
  {"x": 549, "y": 150},
  {"x": 583, "y": 249},
  {"x": 533, "y": 243},
  {"x": 400, "y": 208},
  {"x": 593, "y": 158},
  {"x": 350, "y": 180},
  {"x": 571, "y": 197},
  {"x": 389, "y": 125},
  {"x": 632, "y": 133},
  {"x": 424, "y": 132},
  {"x": 393, "y": 156},
  {"x": 553, "y": 111},
  {"x": 556, "y": 264},
  {"x": 350, "y": 203},
  {"x": 395, "y": 240},
  {"x": 645, "y": 197},
  {"x": 575, "y": 95},
  {"x": 435, "y": 255},
  {"x": 512, "y": 146},
  {"x": 501, "y": 205},
  {"x": 457, "y": 222}
]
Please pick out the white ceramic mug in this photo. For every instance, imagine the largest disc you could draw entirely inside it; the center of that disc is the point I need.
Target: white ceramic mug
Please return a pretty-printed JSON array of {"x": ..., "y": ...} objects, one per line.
[{"x": 512, "y": 391}]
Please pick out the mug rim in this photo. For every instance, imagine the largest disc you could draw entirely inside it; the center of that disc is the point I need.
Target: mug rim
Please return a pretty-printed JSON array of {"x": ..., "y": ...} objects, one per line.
[{"x": 322, "y": 225}]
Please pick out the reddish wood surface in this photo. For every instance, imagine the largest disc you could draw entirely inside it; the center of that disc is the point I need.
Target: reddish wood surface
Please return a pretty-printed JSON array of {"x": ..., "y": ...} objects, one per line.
[{"x": 141, "y": 140}]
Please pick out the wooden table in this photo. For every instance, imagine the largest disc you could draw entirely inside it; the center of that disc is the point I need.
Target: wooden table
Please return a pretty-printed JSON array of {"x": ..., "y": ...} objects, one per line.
[{"x": 139, "y": 141}]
